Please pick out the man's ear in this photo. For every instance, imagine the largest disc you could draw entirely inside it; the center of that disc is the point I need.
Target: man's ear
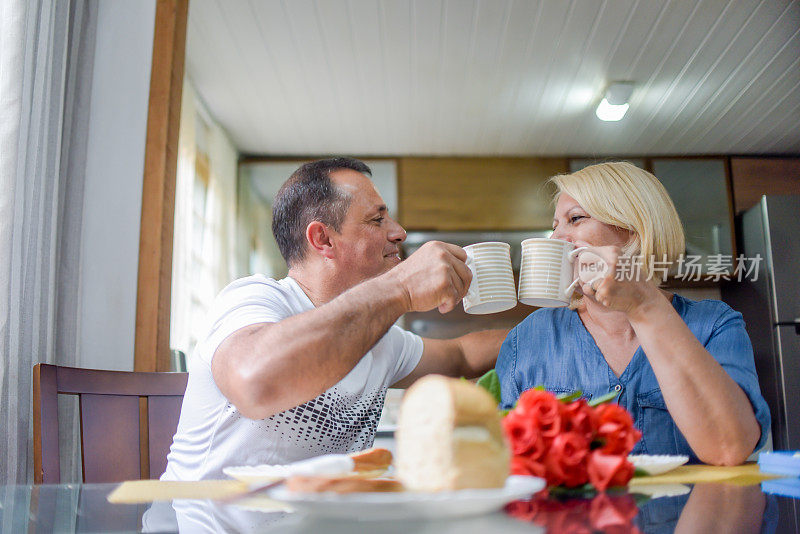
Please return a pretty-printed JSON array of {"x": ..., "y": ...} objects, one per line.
[{"x": 318, "y": 236}]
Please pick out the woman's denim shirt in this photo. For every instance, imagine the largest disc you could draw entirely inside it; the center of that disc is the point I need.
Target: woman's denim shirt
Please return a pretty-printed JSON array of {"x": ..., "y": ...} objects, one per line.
[{"x": 552, "y": 348}]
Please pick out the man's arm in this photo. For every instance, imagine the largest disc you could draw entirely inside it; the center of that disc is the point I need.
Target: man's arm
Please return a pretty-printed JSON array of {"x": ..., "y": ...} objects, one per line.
[
  {"x": 469, "y": 356},
  {"x": 267, "y": 368}
]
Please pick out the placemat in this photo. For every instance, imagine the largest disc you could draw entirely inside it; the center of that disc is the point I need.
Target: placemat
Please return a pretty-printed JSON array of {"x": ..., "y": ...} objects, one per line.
[
  {"x": 143, "y": 491},
  {"x": 746, "y": 474}
]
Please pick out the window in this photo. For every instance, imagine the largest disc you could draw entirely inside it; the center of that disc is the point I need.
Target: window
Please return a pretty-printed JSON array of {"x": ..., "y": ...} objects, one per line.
[{"x": 203, "y": 255}]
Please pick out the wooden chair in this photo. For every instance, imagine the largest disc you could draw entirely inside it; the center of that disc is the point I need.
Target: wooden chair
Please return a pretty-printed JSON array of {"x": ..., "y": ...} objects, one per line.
[{"x": 127, "y": 421}]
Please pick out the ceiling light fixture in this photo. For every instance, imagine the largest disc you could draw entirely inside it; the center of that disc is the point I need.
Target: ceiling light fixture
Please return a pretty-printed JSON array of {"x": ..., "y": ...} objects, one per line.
[{"x": 615, "y": 102}]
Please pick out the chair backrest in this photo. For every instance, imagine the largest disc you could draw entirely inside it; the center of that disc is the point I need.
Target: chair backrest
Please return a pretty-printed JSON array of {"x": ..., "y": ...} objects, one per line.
[{"x": 127, "y": 421}]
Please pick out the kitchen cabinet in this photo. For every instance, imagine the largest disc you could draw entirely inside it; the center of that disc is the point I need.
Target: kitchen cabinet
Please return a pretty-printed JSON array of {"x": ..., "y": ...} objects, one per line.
[
  {"x": 700, "y": 190},
  {"x": 576, "y": 164},
  {"x": 754, "y": 177},
  {"x": 473, "y": 194}
]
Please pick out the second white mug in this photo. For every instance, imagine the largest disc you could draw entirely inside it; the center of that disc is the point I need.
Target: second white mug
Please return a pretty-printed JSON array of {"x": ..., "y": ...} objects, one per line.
[{"x": 546, "y": 273}]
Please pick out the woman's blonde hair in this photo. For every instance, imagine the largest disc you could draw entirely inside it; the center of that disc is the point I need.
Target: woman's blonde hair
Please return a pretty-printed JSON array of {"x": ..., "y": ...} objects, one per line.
[{"x": 623, "y": 195}]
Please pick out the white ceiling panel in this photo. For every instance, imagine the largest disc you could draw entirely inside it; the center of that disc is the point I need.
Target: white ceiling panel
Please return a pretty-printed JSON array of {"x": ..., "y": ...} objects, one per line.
[{"x": 498, "y": 77}]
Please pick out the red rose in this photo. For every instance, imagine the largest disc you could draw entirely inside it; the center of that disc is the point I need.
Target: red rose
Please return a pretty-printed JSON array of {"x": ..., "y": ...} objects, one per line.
[
  {"x": 603, "y": 513},
  {"x": 523, "y": 465},
  {"x": 523, "y": 510},
  {"x": 565, "y": 461},
  {"x": 543, "y": 408},
  {"x": 613, "y": 514},
  {"x": 553, "y": 506},
  {"x": 523, "y": 435},
  {"x": 539, "y": 509},
  {"x": 615, "y": 429},
  {"x": 606, "y": 470},
  {"x": 579, "y": 417},
  {"x": 570, "y": 516},
  {"x": 614, "y": 413},
  {"x": 553, "y": 439}
]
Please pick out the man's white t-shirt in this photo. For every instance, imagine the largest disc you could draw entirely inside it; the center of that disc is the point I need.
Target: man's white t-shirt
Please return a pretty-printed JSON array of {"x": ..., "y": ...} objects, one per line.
[{"x": 212, "y": 434}]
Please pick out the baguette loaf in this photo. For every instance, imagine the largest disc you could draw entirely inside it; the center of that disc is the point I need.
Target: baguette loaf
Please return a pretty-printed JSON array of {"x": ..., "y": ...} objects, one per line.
[
  {"x": 449, "y": 437},
  {"x": 320, "y": 484}
]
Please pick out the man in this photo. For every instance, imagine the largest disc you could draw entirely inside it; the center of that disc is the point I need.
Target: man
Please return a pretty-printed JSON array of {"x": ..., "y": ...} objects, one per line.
[{"x": 299, "y": 367}]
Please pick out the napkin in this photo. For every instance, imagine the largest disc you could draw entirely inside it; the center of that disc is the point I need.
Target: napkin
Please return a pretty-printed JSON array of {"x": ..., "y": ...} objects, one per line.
[{"x": 143, "y": 491}]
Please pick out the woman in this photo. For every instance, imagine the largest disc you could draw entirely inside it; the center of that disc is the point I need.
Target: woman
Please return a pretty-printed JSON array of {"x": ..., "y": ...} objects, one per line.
[{"x": 683, "y": 369}]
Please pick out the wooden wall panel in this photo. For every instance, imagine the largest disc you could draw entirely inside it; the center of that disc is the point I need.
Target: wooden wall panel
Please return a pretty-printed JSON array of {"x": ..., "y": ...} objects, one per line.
[
  {"x": 753, "y": 177},
  {"x": 453, "y": 194},
  {"x": 151, "y": 351}
]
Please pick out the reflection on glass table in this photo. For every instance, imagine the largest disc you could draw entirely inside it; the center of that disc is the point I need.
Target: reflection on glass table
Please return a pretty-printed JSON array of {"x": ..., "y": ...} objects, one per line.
[{"x": 712, "y": 507}]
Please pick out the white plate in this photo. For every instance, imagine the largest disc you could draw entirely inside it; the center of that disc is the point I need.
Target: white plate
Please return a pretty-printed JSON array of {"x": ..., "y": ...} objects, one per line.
[
  {"x": 410, "y": 505},
  {"x": 264, "y": 474},
  {"x": 656, "y": 464},
  {"x": 327, "y": 464}
]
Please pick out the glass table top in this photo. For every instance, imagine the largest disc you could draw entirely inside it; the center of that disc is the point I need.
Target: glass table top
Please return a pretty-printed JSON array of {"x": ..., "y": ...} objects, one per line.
[{"x": 711, "y": 507}]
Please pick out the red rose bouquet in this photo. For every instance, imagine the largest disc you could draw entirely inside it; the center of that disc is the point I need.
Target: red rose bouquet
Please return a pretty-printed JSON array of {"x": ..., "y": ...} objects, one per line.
[
  {"x": 603, "y": 513},
  {"x": 566, "y": 440}
]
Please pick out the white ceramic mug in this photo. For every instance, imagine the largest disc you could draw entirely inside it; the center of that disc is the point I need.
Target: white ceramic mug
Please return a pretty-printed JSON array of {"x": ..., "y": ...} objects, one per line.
[
  {"x": 492, "y": 289},
  {"x": 546, "y": 273}
]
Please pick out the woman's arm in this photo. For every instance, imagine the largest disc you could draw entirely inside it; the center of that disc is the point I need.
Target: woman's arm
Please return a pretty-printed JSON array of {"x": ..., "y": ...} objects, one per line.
[
  {"x": 711, "y": 410},
  {"x": 713, "y": 506},
  {"x": 708, "y": 406}
]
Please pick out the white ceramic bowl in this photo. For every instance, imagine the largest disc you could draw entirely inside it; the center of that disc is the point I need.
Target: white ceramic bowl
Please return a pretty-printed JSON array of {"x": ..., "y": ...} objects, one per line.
[{"x": 656, "y": 464}]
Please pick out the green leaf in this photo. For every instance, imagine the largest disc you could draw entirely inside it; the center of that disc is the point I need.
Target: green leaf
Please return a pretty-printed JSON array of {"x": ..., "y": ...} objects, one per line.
[
  {"x": 569, "y": 397},
  {"x": 491, "y": 383},
  {"x": 504, "y": 413},
  {"x": 585, "y": 491},
  {"x": 608, "y": 397},
  {"x": 539, "y": 388},
  {"x": 640, "y": 473}
]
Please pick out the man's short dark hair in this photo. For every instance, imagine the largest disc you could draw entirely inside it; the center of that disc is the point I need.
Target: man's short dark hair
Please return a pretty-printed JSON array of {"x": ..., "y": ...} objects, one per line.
[{"x": 310, "y": 195}]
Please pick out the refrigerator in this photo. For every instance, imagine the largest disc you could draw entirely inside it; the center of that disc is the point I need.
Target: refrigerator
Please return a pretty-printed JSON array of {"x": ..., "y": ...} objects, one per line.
[{"x": 770, "y": 304}]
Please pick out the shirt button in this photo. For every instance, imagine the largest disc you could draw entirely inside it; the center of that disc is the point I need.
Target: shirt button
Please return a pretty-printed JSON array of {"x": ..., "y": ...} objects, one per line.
[{"x": 617, "y": 387}]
